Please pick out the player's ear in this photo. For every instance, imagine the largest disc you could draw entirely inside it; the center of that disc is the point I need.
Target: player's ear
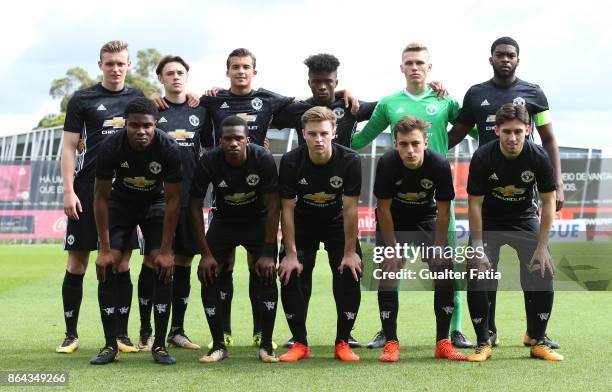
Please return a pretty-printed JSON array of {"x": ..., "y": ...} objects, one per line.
[
  {"x": 100, "y": 65},
  {"x": 496, "y": 130},
  {"x": 254, "y": 72},
  {"x": 527, "y": 130},
  {"x": 159, "y": 78},
  {"x": 129, "y": 63},
  {"x": 491, "y": 60}
]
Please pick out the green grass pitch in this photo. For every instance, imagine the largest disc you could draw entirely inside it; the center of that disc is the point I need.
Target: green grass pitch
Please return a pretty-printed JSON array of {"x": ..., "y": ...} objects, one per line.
[{"x": 32, "y": 325}]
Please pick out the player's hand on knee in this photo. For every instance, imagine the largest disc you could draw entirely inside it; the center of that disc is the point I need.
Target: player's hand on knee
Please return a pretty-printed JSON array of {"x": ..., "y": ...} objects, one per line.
[
  {"x": 541, "y": 261},
  {"x": 72, "y": 205},
  {"x": 440, "y": 264},
  {"x": 479, "y": 263},
  {"x": 288, "y": 264},
  {"x": 352, "y": 262},
  {"x": 391, "y": 264},
  {"x": 103, "y": 261},
  {"x": 208, "y": 270},
  {"x": 265, "y": 269},
  {"x": 159, "y": 101},
  {"x": 164, "y": 262}
]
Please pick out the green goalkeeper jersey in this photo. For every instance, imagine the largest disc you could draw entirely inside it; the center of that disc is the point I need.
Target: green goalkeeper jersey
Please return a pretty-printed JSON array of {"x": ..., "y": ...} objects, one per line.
[{"x": 437, "y": 112}]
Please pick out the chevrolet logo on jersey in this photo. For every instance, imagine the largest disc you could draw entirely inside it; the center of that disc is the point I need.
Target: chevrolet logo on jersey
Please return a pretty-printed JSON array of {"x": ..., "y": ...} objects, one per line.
[
  {"x": 491, "y": 118},
  {"x": 319, "y": 197},
  {"x": 115, "y": 122},
  {"x": 239, "y": 198},
  {"x": 412, "y": 196},
  {"x": 181, "y": 134},
  {"x": 247, "y": 117},
  {"x": 139, "y": 182},
  {"x": 509, "y": 190}
]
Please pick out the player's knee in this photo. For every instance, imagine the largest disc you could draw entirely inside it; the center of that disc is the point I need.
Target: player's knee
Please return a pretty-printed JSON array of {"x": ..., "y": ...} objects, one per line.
[
  {"x": 148, "y": 261},
  {"x": 183, "y": 261},
  {"x": 77, "y": 262}
]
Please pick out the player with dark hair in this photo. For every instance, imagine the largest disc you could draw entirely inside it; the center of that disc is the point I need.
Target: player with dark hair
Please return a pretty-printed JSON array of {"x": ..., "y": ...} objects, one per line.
[
  {"x": 245, "y": 183},
  {"x": 184, "y": 124},
  {"x": 320, "y": 183},
  {"x": 322, "y": 80},
  {"x": 146, "y": 166},
  {"x": 414, "y": 190},
  {"x": 503, "y": 210},
  {"x": 93, "y": 115},
  {"x": 480, "y": 104},
  {"x": 417, "y": 99}
]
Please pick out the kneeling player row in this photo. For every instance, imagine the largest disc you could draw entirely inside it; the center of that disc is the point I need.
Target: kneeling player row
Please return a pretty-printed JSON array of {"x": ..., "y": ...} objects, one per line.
[{"x": 317, "y": 189}]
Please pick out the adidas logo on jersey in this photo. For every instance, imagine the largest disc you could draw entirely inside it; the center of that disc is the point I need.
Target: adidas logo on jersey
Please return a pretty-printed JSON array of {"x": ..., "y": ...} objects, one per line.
[
  {"x": 101, "y": 107},
  {"x": 485, "y": 103},
  {"x": 494, "y": 177},
  {"x": 163, "y": 119},
  {"x": 222, "y": 184},
  {"x": 399, "y": 110},
  {"x": 224, "y": 105},
  {"x": 303, "y": 181},
  {"x": 125, "y": 165}
]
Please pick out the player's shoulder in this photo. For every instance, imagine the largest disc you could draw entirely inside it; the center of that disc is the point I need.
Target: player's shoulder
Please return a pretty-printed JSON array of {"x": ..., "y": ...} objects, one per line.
[
  {"x": 525, "y": 84},
  {"x": 164, "y": 140},
  {"x": 535, "y": 150},
  {"x": 264, "y": 93},
  {"x": 487, "y": 150},
  {"x": 343, "y": 152},
  {"x": 115, "y": 141},
  {"x": 257, "y": 151},
  {"x": 435, "y": 157},
  {"x": 133, "y": 92},
  {"x": 392, "y": 97},
  {"x": 294, "y": 156}
]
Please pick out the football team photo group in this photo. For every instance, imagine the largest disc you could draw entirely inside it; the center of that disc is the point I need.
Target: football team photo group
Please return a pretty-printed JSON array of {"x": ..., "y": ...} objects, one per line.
[{"x": 138, "y": 171}]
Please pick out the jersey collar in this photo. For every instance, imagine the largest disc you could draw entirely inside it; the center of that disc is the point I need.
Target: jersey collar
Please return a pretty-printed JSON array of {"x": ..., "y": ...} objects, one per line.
[{"x": 419, "y": 97}]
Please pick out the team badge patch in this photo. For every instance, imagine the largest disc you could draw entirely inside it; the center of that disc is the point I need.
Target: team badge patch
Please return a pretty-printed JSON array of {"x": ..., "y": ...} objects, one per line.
[
  {"x": 431, "y": 109},
  {"x": 336, "y": 182},
  {"x": 194, "y": 120},
  {"x": 339, "y": 112},
  {"x": 527, "y": 176},
  {"x": 426, "y": 183},
  {"x": 257, "y": 103},
  {"x": 155, "y": 167},
  {"x": 252, "y": 179},
  {"x": 519, "y": 101}
]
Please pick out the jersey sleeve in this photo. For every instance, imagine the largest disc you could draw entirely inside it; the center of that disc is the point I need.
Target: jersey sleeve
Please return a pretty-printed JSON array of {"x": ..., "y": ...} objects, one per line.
[
  {"x": 269, "y": 182},
  {"x": 377, "y": 123},
  {"x": 453, "y": 110},
  {"x": 75, "y": 119},
  {"x": 286, "y": 180},
  {"x": 280, "y": 101},
  {"x": 466, "y": 114},
  {"x": 444, "y": 182},
  {"x": 477, "y": 179},
  {"x": 540, "y": 110},
  {"x": 286, "y": 117},
  {"x": 365, "y": 110},
  {"x": 545, "y": 178},
  {"x": 105, "y": 164},
  {"x": 384, "y": 184},
  {"x": 201, "y": 179},
  {"x": 352, "y": 182},
  {"x": 172, "y": 164},
  {"x": 206, "y": 132}
]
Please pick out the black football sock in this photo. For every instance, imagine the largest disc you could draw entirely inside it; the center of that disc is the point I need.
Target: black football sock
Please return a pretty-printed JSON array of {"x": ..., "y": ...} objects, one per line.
[
  {"x": 293, "y": 304},
  {"x": 444, "y": 305},
  {"x": 269, "y": 301},
  {"x": 492, "y": 297},
  {"x": 350, "y": 299},
  {"x": 146, "y": 283},
  {"x": 528, "y": 311},
  {"x": 162, "y": 302},
  {"x": 124, "y": 302},
  {"x": 388, "y": 306},
  {"x": 181, "y": 286},
  {"x": 255, "y": 301},
  {"x": 211, "y": 303},
  {"x": 226, "y": 292},
  {"x": 541, "y": 307},
  {"x": 306, "y": 282},
  {"x": 72, "y": 294},
  {"x": 478, "y": 304},
  {"x": 107, "y": 299}
]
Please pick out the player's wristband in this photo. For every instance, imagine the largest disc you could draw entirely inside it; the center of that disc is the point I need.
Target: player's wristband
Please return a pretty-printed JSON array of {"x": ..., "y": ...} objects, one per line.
[{"x": 269, "y": 250}]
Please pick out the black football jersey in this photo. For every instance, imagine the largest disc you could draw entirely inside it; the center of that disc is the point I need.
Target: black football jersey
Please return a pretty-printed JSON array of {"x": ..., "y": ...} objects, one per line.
[
  {"x": 96, "y": 113},
  {"x": 238, "y": 190},
  {"x": 139, "y": 175}
]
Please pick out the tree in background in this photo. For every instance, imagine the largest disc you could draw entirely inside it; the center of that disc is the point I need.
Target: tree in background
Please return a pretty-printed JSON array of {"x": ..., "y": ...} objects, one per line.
[{"x": 141, "y": 76}]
